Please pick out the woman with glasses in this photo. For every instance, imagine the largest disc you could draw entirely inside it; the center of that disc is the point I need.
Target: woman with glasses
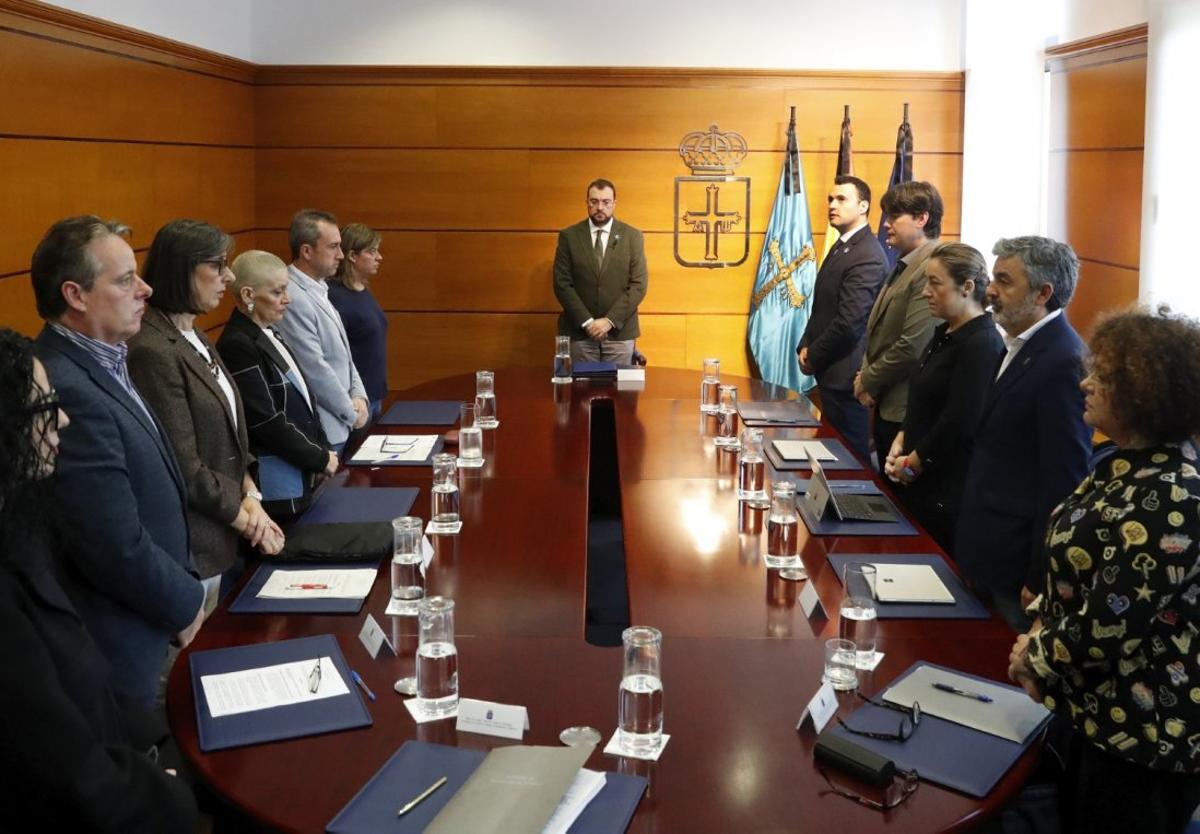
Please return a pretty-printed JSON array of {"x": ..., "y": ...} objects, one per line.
[
  {"x": 70, "y": 755},
  {"x": 366, "y": 324},
  {"x": 1114, "y": 647},
  {"x": 182, "y": 378}
]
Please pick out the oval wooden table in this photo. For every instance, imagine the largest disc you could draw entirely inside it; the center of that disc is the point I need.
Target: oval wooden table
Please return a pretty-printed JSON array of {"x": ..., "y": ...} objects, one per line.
[{"x": 740, "y": 658}]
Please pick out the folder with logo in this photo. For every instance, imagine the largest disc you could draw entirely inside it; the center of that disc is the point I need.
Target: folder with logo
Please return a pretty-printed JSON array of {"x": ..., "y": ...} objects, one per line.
[
  {"x": 307, "y": 718},
  {"x": 964, "y": 607},
  {"x": 791, "y": 454},
  {"x": 942, "y": 751},
  {"x": 248, "y": 601},
  {"x": 417, "y": 765}
]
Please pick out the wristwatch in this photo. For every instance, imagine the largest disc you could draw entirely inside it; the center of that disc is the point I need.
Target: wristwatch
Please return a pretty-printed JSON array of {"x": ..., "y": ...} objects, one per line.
[{"x": 253, "y": 493}]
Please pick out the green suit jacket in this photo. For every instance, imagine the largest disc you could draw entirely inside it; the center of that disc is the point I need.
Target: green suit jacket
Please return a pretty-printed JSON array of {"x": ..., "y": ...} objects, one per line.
[{"x": 588, "y": 290}]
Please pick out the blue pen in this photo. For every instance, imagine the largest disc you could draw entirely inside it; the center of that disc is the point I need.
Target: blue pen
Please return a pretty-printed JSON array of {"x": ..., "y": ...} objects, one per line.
[
  {"x": 362, "y": 684},
  {"x": 954, "y": 690}
]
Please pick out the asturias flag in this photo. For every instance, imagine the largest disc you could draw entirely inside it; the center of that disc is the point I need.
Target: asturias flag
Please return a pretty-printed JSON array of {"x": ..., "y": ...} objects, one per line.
[
  {"x": 787, "y": 270},
  {"x": 901, "y": 172}
]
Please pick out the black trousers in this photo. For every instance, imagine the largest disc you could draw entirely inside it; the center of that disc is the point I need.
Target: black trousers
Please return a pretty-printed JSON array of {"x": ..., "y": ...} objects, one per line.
[
  {"x": 884, "y": 432},
  {"x": 1103, "y": 794}
]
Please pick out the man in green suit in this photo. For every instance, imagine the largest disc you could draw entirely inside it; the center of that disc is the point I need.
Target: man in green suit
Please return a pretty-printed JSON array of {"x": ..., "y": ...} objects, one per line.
[{"x": 600, "y": 279}]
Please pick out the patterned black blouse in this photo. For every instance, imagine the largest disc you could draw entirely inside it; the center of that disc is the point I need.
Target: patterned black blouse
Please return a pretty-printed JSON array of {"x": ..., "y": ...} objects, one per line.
[{"x": 1120, "y": 650}]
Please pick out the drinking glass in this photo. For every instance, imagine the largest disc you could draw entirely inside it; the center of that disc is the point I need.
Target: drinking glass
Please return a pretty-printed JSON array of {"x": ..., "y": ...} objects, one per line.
[
  {"x": 437, "y": 657},
  {"x": 708, "y": 385},
  {"x": 783, "y": 528},
  {"x": 840, "y": 665},
  {"x": 470, "y": 437},
  {"x": 727, "y": 418},
  {"x": 752, "y": 469},
  {"x": 562, "y": 360},
  {"x": 640, "y": 706},
  {"x": 443, "y": 516},
  {"x": 858, "y": 612},
  {"x": 408, "y": 582},
  {"x": 485, "y": 400}
]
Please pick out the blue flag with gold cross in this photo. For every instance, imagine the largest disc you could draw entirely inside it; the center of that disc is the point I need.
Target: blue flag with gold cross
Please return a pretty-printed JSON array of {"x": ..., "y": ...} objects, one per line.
[{"x": 787, "y": 270}]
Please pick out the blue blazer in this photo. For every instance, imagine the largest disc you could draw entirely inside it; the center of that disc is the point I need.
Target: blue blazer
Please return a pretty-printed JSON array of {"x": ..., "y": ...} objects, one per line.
[
  {"x": 1029, "y": 452},
  {"x": 129, "y": 569}
]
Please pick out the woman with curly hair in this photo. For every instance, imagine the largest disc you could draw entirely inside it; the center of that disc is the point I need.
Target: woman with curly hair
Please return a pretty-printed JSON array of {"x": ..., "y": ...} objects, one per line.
[
  {"x": 1113, "y": 650},
  {"x": 70, "y": 755}
]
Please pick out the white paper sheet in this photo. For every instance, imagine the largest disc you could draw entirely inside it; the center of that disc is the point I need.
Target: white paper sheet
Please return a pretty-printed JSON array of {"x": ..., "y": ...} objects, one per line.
[
  {"x": 231, "y": 693},
  {"x": 796, "y": 450},
  {"x": 382, "y": 448},
  {"x": 341, "y": 583},
  {"x": 583, "y": 790}
]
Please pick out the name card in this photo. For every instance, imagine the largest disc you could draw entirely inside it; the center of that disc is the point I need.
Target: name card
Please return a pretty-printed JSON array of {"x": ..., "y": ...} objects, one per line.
[
  {"x": 821, "y": 708},
  {"x": 492, "y": 719},
  {"x": 426, "y": 554},
  {"x": 373, "y": 638},
  {"x": 810, "y": 603}
]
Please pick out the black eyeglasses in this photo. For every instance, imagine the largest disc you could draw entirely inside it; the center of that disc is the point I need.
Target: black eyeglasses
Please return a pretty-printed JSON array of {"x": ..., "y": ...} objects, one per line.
[
  {"x": 221, "y": 264},
  {"x": 48, "y": 404},
  {"x": 904, "y": 786},
  {"x": 314, "y": 678},
  {"x": 909, "y": 721}
]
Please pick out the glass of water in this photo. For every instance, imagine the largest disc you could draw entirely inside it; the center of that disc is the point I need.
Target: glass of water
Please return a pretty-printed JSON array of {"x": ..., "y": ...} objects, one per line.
[
  {"x": 840, "y": 665},
  {"x": 727, "y": 418},
  {"x": 752, "y": 469},
  {"x": 562, "y": 360},
  {"x": 783, "y": 528},
  {"x": 858, "y": 613},
  {"x": 437, "y": 657},
  {"x": 640, "y": 708},
  {"x": 408, "y": 582},
  {"x": 485, "y": 400},
  {"x": 444, "y": 495},
  {"x": 470, "y": 437},
  {"x": 708, "y": 386}
]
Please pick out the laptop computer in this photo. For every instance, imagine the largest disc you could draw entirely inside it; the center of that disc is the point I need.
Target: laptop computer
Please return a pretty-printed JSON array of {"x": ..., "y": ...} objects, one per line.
[
  {"x": 846, "y": 507},
  {"x": 910, "y": 583}
]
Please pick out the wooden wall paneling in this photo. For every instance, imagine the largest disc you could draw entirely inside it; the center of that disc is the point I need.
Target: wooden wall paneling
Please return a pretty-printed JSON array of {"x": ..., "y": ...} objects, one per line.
[
  {"x": 1102, "y": 288},
  {"x": 1098, "y": 203},
  {"x": 17, "y": 308},
  {"x": 664, "y": 339},
  {"x": 58, "y": 89},
  {"x": 141, "y": 184},
  {"x": 720, "y": 336}
]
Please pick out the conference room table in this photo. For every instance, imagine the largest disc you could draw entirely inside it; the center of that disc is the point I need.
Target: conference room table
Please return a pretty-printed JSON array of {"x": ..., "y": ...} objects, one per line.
[{"x": 740, "y": 658}]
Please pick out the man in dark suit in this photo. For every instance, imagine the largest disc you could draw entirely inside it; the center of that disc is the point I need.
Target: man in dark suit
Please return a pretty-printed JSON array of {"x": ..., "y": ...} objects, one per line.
[
  {"x": 1031, "y": 448},
  {"x": 130, "y": 572},
  {"x": 832, "y": 346},
  {"x": 600, "y": 279}
]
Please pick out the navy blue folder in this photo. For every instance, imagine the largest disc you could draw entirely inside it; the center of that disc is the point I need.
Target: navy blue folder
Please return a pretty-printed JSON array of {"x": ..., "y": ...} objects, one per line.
[
  {"x": 247, "y": 602},
  {"x": 417, "y": 765},
  {"x": 778, "y": 413},
  {"x": 594, "y": 370},
  {"x": 846, "y": 461},
  {"x": 831, "y": 526},
  {"x": 965, "y": 607},
  {"x": 421, "y": 413},
  {"x": 340, "y": 504},
  {"x": 437, "y": 447},
  {"x": 325, "y": 715},
  {"x": 949, "y": 754}
]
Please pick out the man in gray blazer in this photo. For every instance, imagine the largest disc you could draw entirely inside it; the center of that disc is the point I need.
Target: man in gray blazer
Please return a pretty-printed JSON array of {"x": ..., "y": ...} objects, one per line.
[
  {"x": 314, "y": 330},
  {"x": 128, "y": 566},
  {"x": 600, "y": 279},
  {"x": 899, "y": 327}
]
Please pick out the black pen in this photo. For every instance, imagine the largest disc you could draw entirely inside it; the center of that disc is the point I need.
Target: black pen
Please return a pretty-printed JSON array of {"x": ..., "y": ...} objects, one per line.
[
  {"x": 421, "y": 798},
  {"x": 954, "y": 690}
]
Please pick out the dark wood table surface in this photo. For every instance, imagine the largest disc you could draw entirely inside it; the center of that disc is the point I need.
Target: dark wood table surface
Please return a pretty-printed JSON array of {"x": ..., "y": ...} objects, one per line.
[{"x": 740, "y": 659}]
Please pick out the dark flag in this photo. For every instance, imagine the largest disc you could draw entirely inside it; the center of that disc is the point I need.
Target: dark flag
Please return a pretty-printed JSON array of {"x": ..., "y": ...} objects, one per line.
[
  {"x": 844, "y": 166},
  {"x": 902, "y": 171}
]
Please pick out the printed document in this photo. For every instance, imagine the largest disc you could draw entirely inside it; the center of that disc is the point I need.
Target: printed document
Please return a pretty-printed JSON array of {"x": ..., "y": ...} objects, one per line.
[
  {"x": 385, "y": 448},
  {"x": 342, "y": 583},
  {"x": 231, "y": 693}
]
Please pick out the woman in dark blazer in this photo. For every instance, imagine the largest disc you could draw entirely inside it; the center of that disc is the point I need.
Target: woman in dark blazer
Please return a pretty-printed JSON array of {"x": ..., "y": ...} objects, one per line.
[
  {"x": 285, "y": 431},
  {"x": 181, "y": 377},
  {"x": 945, "y": 395},
  {"x": 72, "y": 754}
]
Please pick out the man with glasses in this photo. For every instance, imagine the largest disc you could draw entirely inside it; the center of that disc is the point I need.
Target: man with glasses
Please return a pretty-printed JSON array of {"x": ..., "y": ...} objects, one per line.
[
  {"x": 129, "y": 569},
  {"x": 600, "y": 279},
  {"x": 314, "y": 330}
]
